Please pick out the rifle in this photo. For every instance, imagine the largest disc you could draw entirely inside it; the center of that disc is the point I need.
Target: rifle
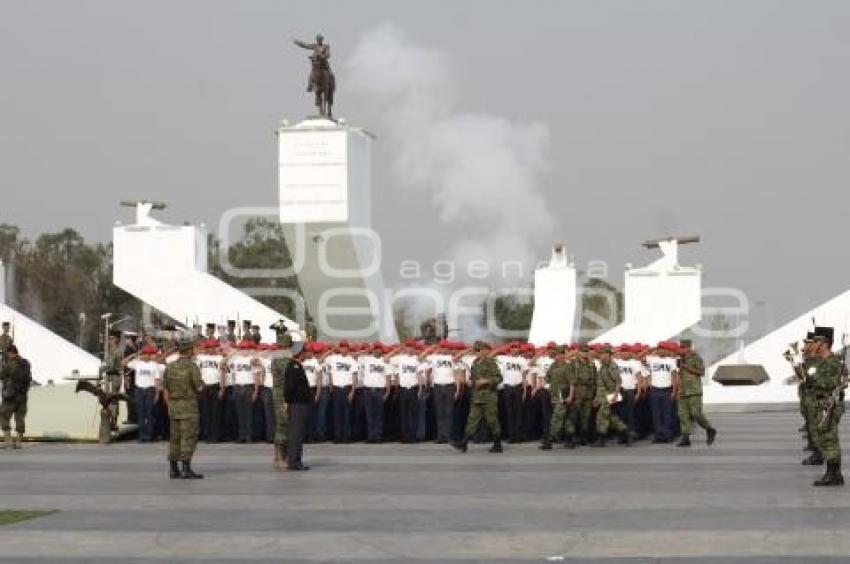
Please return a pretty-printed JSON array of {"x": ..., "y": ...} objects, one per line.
[{"x": 837, "y": 394}]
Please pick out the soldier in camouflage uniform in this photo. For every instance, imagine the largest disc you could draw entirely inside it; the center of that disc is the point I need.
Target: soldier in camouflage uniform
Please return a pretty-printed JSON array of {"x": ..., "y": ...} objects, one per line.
[
  {"x": 15, "y": 380},
  {"x": 181, "y": 385},
  {"x": 583, "y": 393},
  {"x": 808, "y": 407},
  {"x": 6, "y": 341},
  {"x": 485, "y": 379},
  {"x": 559, "y": 391},
  {"x": 687, "y": 389},
  {"x": 279, "y": 363},
  {"x": 608, "y": 384},
  {"x": 828, "y": 382},
  {"x": 112, "y": 372}
]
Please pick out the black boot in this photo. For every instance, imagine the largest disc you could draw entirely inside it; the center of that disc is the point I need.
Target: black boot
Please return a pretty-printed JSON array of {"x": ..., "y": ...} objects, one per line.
[
  {"x": 685, "y": 441},
  {"x": 815, "y": 459},
  {"x": 710, "y": 435},
  {"x": 832, "y": 477},
  {"x": 547, "y": 443},
  {"x": 569, "y": 442},
  {"x": 187, "y": 472},
  {"x": 461, "y": 445},
  {"x": 497, "y": 446},
  {"x": 600, "y": 442},
  {"x": 174, "y": 471}
]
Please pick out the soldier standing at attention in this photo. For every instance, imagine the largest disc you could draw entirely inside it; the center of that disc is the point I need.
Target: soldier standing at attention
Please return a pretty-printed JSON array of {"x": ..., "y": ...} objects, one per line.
[
  {"x": 828, "y": 387},
  {"x": 280, "y": 360},
  {"x": 607, "y": 394},
  {"x": 807, "y": 399},
  {"x": 113, "y": 372},
  {"x": 485, "y": 378},
  {"x": 687, "y": 389},
  {"x": 6, "y": 341},
  {"x": 296, "y": 391},
  {"x": 559, "y": 391},
  {"x": 181, "y": 385},
  {"x": 15, "y": 380},
  {"x": 583, "y": 385}
]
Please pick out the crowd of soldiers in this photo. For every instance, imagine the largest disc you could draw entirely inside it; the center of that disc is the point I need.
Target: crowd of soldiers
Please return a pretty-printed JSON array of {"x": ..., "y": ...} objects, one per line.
[
  {"x": 449, "y": 392},
  {"x": 821, "y": 377}
]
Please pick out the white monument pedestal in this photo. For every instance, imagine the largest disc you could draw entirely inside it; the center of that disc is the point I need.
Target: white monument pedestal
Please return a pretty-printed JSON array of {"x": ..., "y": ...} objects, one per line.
[
  {"x": 554, "y": 301},
  {"x": 325, "y": 209}
]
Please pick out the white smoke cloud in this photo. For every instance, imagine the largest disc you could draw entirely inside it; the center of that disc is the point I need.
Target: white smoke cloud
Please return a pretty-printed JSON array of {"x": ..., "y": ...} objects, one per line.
[{"x": 480, "y": 170}]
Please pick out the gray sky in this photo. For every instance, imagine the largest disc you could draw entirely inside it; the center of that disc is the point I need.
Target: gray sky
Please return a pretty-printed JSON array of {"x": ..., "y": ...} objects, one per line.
[{"x": 723, "y": 118}]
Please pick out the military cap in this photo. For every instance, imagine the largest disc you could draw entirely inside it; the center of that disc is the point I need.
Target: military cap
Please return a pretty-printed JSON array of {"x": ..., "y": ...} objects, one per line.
[
  {"x": 210, "y": 325},
  {"x": 411, "y": 343},
  {"x": 185, "y": 345},
  {"x": 115, "y": 333},
  {"x": 810, "y": 336},
  {"x": 231, "y": 323},
  {"x": 551, "y": 345},
  {"x": 481, "y": 345},
  {"x": 606, "y": 348},
  {"x": 344, "y": 343},
  {"x": 584, "y": 347},
  {"x": 12, "y": 349},
  {"x": 686, "y": 343},
  {"x": 825, "y": 334},
  {"x": 247, "y": 344}
]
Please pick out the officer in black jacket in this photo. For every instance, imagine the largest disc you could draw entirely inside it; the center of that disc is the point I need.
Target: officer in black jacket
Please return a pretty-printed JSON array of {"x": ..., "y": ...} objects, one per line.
[{"x": 296, "y": 392}]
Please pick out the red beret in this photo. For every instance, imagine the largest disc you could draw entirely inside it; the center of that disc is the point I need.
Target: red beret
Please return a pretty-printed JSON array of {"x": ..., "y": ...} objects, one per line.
[
  {"x": 247, "y": 345},
  {"x": 344, "y": 343},
  {"x": 149, "y": 349},
  {"x": 551, "y": 345}
]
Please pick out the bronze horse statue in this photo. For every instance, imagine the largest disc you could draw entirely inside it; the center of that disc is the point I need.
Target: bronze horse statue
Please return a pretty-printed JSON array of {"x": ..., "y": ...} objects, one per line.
[{"x": 323, "y": 85}]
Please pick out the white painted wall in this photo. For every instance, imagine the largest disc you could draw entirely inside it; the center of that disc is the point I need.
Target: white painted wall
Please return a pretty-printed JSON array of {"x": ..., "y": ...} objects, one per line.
[
  {"x": 554, "y": 301},
  {"x": 325, "y": 207},
  {"x": 661, "y": 300},
  {"x": 768, "y": 352},
  {"x": 165, "y": 267}
]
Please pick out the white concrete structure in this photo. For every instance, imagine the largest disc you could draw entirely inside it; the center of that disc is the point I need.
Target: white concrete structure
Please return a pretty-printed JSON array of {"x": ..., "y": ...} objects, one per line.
[
  {"x": 768, "y": 352},
  {"x": 553, "y": 318},
  {"x": 51, "y": 357},
  {"x": 661, "y": 300},
  {"x": 165, "y": 266},
  {"x": 325, "y": 207}
]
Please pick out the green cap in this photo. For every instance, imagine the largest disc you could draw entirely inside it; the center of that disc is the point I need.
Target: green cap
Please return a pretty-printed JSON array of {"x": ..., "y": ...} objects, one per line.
[
  {"x": 482, "y": 345},
  {"x": 185, "y": 345}
]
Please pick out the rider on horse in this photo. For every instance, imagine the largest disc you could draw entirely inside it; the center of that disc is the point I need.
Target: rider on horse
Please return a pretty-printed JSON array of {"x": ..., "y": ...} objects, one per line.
[{"x": 320, "y": 56}]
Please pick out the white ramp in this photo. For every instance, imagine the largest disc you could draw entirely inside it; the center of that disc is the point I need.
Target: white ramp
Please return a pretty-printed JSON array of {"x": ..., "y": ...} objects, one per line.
[
  {"x": 51, "y": 357},
  {"x": 661, "y": 300},
  {"x": 768, "y": 352},
  {"x": 165, "y": 266},
  {"x": 554, "y": 301}
]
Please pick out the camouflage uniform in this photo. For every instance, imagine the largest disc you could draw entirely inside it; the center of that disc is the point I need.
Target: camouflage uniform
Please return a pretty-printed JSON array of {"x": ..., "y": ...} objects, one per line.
[
  {"x": 5, "y": 342},
  {"x": 484, "y": 400},
  {"x": 182, "y": 380},
  {"x": 607, "y": 382},
  {"x": 16, "y": 406},
  {"x": 691, "y": 369},
  {"x": 559, "y": 390},
  {"x": 113, "y": 374},
  {"x": 808, "y": 406},
  {"x": 825, "y": 379},
  {"x": 281, "y": 421},
  {"x": 584, "y": 381}
]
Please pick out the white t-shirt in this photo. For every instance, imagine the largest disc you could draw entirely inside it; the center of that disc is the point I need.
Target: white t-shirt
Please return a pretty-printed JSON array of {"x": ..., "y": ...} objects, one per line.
[
  {"x": 311, "y": 369},
  {"x": 541, "y": 367},
  {"x": 629, "y": 372},
  {"x": 241, "y": 370},
  {"x": 148, "y": 373},
  {"x": 466, "y": 362},
  {"x": 661, "y": 371},
  {"x": 374, "y": 371},
  {"x": 442, "y": 369},
  {"x": 342, "y": 369},
  {"x": 405, "y": 368},
  {"x": 210, "y": 365},
  {"x": 512, "y": 368}
]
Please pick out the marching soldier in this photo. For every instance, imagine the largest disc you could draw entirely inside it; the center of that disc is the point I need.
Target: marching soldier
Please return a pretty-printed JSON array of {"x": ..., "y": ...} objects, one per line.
[
  {"x": 15, "y": 380},
  {"x": 828, "y": 384},
  {"x": 687, "y": 389},
  {"x": 181, "y": 385},
  {"x": 485, "y": 379},
  {"x": 583, "y": 391},
  {"x": 607, "y": 394}
]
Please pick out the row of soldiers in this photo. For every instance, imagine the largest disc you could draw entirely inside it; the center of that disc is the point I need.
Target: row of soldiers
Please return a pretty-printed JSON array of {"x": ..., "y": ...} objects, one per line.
[
  {"x": 572, "y": 393},
  {"x": 822, "y": 379}
]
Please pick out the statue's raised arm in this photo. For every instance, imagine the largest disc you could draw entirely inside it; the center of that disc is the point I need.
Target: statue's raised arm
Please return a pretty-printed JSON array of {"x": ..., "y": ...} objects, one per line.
[{"x": 305, "y": 45}]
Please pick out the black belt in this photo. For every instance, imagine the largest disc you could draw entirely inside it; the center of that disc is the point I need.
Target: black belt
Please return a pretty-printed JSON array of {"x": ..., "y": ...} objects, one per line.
[{"x": 659, "y": 388}]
